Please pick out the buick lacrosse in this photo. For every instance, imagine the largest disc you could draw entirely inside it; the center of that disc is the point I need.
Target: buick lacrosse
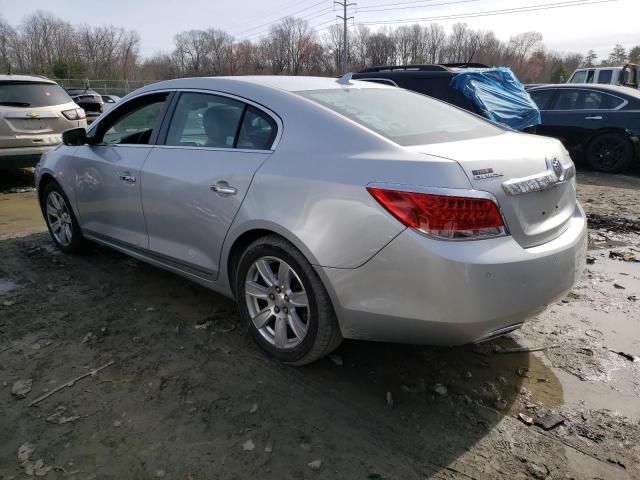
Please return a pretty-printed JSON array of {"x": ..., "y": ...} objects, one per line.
[{"x": 327, "y": 208}]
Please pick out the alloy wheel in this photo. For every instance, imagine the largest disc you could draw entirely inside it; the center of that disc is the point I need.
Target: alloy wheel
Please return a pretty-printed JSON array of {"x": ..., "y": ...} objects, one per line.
[
  {"x": 59, "y": 219},
  {"x": 609, "y": 152},
  {"x": 277, "y": 302}
]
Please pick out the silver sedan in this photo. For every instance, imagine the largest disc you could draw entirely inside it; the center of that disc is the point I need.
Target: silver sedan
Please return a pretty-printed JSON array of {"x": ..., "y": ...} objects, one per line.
[{"x": 327, "y": 208}]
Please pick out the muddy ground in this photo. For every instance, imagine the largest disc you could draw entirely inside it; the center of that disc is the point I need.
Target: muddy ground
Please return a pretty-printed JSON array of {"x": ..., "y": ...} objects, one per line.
[{"x": 185, "y": 394}]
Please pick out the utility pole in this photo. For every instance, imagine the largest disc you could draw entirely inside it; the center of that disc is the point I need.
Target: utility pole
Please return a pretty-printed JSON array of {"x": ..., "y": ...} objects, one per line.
[{"x": 345, "y": 19}]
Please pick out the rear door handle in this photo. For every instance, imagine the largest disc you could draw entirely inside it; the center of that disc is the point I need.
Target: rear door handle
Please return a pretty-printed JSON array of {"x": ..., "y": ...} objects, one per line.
[
  {"x": 126, "y": 177},
  {"x": 223, "y": 188},
  {"x": 597, "y": 117}
]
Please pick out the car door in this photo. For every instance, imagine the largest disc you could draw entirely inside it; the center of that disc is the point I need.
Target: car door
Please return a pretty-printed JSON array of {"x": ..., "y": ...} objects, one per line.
[
  {"x": 194, "y": 183},
  {"x": 573, "y": 114},
  {"x": 107, "y": 171}
]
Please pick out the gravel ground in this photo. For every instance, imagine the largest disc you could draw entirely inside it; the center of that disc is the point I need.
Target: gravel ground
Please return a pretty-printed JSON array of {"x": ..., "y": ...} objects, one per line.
[{"x": 185, "y": 394}]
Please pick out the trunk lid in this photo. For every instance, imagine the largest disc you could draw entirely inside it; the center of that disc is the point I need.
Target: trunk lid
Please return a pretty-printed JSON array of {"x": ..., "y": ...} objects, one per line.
[
  {"x": 31, "y": 127},
  {"x": 532, "y": 178}
]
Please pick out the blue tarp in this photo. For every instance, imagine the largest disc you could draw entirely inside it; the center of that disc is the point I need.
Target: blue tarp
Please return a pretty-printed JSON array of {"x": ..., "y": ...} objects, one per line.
[{"x": 499, "y": 95}]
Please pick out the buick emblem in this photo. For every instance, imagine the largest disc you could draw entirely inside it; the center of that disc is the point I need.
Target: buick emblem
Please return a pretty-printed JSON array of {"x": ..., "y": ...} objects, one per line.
[{"x": 557, "y": 168}]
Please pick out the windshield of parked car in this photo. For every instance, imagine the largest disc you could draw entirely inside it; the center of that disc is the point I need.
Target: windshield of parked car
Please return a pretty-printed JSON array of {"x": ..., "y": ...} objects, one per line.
[
  {"x": 32, "y": 94},
  {"x": 404, "y": 117}
]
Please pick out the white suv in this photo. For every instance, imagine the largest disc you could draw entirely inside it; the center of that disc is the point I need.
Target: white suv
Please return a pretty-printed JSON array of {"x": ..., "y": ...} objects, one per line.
[
  {"x": 627, "y": 75},
  {"x": 34, "y": 111}
]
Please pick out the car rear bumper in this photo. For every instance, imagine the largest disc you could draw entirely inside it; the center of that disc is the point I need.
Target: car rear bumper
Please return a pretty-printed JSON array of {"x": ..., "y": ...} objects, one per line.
[
  {"x": 20, "y": 157},
  {"x": 420, "y": 290}
]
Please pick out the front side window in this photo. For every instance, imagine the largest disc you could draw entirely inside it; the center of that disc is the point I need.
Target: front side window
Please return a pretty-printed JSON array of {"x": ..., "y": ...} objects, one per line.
[
  {"x": 207, "y": 120},
  {"x": 32, "y": 94},
  {"x": 604, "y": 76},
  {"x": 579, "y": 77},
  {"x": 404, "y": 117},
  {"x": 586, "y": 100},
  {"x": 133, "y": 123},
  {"x": 590, "y": 75}
]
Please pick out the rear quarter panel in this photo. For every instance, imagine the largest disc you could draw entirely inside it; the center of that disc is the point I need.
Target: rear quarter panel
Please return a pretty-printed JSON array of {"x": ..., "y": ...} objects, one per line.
[{"x": 312, "y": 190}]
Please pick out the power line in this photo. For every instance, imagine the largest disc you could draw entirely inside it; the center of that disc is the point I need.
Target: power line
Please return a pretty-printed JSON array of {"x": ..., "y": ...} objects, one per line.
[
  {"x": 281, "y": 18},
  {"x": 370, "y": 9},
  {"x": 262, "y": 16},
  {"x": 488, "y": 13},
  {"x": 310, "y": 16}
]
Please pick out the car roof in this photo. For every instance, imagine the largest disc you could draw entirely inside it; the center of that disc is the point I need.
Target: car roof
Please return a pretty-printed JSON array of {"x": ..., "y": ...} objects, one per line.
[
  {"x": 613, "y": 89},
  {"x": 25, "y": 78},
  {"x": 279, "y": 82}
]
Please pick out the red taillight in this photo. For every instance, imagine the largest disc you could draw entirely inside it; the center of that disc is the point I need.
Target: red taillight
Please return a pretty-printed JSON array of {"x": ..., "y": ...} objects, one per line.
[
  {"x": 443, "y": 216},
  {"x": 74, "y": 114}
]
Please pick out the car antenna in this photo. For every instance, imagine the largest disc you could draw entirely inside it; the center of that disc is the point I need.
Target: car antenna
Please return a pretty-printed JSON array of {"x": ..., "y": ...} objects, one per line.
[{"x": 345, "y": 79}]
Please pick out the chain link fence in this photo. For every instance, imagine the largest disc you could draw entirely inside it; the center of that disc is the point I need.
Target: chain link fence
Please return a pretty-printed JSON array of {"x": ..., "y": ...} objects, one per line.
[{"x": 103, "y": 87}]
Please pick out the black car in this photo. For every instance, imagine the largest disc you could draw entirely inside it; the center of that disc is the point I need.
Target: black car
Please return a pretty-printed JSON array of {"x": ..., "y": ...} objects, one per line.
[
  {"x": 494, "y": 93},
  {"x": 602, "y": 122},
  {"x": 432, "y": 80},
  {"x": 91, "y": 102}
]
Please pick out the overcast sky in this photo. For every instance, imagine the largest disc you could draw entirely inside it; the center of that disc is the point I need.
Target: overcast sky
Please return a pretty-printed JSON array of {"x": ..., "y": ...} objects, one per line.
[{"x": 577, "y": 28}]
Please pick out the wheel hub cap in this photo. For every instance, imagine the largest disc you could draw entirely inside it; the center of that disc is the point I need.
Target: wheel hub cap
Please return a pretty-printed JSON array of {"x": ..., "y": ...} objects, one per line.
[
  {"x": 277, "y": 302},
  {"x": 59, "y": 219}
]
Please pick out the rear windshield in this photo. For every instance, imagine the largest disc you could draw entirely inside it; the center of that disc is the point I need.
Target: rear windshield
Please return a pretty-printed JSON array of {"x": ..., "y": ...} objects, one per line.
[
  {"x": 31, "y": 94},
  {"x": 404, "y": 117}
]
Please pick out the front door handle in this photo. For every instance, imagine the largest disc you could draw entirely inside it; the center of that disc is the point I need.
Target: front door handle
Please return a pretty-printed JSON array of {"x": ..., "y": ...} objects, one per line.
[
  {"x": 597, "y": 117},
  {"x": 223, "y": 188},
  {"x": 126, "y": 177}
]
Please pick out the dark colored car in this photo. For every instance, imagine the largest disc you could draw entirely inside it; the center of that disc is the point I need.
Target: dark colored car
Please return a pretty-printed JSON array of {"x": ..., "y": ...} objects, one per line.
[
  {"x": 432, "y": 80},
  {"x": 88, "y": 100},
  {"x": 492, "y": 92},
  {"x": 601, "y": 122}
]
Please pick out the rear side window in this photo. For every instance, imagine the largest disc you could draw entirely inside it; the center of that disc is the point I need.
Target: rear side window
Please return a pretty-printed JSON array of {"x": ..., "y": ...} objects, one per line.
[
  {"x": 258, "y": 130},
  {"x": 541, "y": 98},
  {"x": 585, "y": 100},
  {"x": 32, "y": 94},
  {"x": 404, "y": 117},
  {"x": 604, "y": 76},
  {"x": 206, "y": 120}
]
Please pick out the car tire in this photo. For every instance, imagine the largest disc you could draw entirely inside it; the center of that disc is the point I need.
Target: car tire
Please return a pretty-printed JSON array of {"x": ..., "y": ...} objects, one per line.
[
  {"x": 609, "y": 152},
  {"x": 60, "y": 219},
  {"x": 284, "y": 303}
]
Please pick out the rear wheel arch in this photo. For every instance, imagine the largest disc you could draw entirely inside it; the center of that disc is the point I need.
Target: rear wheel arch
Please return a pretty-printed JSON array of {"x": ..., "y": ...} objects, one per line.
[
  {"x": 250, "y": 235},
  {"x": 45, "y": 180}
]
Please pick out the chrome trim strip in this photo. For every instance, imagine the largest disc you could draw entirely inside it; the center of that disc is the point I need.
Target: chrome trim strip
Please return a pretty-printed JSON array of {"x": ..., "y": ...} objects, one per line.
[{"x": 541, "y": 181}]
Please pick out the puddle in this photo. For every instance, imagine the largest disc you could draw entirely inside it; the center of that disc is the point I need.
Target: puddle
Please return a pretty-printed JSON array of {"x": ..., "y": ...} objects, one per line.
[
  {"x": 20, "y": 215},
  {"x": 7, "y": 286}
]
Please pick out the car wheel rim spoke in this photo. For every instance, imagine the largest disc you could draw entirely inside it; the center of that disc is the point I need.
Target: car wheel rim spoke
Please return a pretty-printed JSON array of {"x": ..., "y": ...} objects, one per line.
[
  {"x": 261, "y": 319},
  {"x": 284, "y": 275},
  {"x": 256, "y": 290},
  {"x": 277, "y": 302},
  {"x": 280, "y": 334},
  {"x": 266, "y": 273},
  {"x": 299, "y": 329},
  {"x": 299, "y": 299}
]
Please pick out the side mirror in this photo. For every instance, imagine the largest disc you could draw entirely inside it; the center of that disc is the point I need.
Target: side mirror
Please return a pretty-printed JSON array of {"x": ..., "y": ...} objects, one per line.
[{"x": 75, "y": 136}]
